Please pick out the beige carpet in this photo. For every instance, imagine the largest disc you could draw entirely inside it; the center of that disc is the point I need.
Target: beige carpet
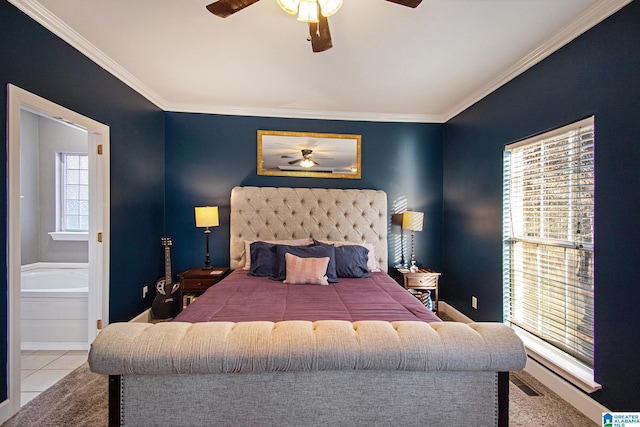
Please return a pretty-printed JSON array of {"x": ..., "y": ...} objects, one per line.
[
  {"x": 80, "y": 399},
  {"x": 546, "y": 409}
]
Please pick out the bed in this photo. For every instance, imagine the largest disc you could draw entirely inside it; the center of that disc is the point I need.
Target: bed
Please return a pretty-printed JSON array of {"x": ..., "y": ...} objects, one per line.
[{"x": 309, "y": 329}]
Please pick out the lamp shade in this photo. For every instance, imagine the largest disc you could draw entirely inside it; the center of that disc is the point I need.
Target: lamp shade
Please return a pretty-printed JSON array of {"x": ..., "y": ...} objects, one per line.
[
  {"x": 412, "y": 220},
  {"x": 207, "y": 216}
]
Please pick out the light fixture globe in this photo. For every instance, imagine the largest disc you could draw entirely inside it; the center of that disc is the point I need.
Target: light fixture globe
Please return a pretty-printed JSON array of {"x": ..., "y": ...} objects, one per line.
[
  {"x": 308, "y": 11},
  {"x": 306, "y": 163},
  {"x": 289, "y": 6},
  {"x": 329, "y": 7}
]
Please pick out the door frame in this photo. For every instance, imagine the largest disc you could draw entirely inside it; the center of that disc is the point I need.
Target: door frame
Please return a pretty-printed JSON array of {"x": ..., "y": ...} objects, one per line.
[{"x": 99, "y": 220}]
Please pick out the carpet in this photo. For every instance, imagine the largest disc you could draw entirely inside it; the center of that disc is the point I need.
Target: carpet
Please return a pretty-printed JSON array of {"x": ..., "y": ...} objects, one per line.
[{"x": 80, "y": 399}]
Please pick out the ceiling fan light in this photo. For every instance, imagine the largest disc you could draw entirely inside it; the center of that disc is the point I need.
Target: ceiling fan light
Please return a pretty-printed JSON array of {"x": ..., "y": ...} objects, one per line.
[
  {"x": 308, "y": 11},
  {"x": 289, "y": 6},
  {"x": 306, "y": 163},
  {"x": 329, "y": 7}
]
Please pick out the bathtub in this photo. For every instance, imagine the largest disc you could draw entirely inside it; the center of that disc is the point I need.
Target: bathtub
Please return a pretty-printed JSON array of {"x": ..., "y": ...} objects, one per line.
[{"x": 54, "y": 306}]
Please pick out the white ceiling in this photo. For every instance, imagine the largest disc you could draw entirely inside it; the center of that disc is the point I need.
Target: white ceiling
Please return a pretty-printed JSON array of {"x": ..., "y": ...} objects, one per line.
[{"x": 388, "y": 63}]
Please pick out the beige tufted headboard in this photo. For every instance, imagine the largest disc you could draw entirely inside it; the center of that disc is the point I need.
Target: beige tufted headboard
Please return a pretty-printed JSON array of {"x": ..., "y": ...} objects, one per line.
[{"x": 268, "y": 213}]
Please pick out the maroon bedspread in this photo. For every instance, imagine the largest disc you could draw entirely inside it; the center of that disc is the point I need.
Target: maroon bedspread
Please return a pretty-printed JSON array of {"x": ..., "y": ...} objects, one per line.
[{"x": 240, "y": 298}]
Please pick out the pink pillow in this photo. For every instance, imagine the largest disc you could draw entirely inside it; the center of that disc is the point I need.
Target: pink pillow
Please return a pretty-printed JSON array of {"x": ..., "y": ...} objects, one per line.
[{"x": 303, "y": 271}]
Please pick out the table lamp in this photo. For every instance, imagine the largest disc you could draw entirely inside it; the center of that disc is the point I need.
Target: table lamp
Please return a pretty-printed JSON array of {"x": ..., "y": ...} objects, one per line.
[
  {"x": 207, "y": 216},
  {"x": 412, "y": 221}
]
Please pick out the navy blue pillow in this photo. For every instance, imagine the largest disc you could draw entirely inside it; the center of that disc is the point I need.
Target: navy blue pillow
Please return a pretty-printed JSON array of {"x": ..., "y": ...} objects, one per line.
[
  {"x": 311, "y": 251},
  {"x": 263, "y": 259},
  {"x": 351, "y": 261}
]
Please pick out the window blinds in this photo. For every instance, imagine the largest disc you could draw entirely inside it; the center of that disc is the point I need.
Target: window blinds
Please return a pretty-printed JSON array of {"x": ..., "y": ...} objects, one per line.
[{"x": 548, "y": 233}]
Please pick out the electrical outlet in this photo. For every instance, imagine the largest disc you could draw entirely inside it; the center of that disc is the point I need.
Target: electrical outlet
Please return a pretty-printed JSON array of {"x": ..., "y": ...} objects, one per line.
[
  {"x": 474, "y": 302},
  {"x": 145, "y": 291}
]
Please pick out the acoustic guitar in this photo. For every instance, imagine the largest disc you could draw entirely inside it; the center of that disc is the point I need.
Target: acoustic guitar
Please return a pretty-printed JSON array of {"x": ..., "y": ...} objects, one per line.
[{"x": 166, "y": 303}]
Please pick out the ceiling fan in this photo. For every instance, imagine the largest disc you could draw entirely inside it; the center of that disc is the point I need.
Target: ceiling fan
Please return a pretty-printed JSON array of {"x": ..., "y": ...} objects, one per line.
[{"x": 315, "y": 12}]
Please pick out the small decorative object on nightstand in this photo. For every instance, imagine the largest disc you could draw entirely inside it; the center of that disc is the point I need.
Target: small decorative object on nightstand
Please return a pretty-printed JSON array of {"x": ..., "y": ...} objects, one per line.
[
  {"x": 195, "y": 281},
  {"x": 423, "y": 279}
]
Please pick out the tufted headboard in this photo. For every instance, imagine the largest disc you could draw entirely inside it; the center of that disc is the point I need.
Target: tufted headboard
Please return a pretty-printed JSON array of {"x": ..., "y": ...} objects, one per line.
[{"x": 269, "y": 213}]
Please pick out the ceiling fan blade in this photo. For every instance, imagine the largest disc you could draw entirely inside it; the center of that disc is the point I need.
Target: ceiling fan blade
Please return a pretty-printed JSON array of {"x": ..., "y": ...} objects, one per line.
[
  {"x": 293, "y": 162},
  {"x": 319, "y": 34},
  {"x": 408, "y": 3},
  {"x": 224, "y": 8}
]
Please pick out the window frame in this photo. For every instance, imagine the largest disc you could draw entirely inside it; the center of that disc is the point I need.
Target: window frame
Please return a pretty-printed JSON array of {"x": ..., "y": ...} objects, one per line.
[
  {"x": 62, "y": 232},
  {"x": 568, "y": 366}
]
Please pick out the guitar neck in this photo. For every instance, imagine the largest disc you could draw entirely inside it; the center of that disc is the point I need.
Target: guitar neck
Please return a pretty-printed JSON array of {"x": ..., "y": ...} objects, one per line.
[{"x": 167, "y": 265}]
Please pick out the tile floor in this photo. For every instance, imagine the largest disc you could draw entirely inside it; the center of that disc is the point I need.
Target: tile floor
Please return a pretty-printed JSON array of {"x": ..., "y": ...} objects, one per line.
[{"x": 43, "y": 368}]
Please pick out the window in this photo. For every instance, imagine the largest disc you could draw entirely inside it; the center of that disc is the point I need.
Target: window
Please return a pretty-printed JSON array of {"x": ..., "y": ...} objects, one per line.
[
  {"x": 549, "y": 250},
  {"x": 73, "y": 199}
]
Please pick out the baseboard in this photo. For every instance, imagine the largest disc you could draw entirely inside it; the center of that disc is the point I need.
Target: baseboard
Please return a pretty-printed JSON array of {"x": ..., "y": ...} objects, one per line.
[
  {"x": 453, "y": 313},
  {"x": 142, "y": 317},
  {"x": 25, "y": 345},
  {"x": 571, "y": 394},
  {"x": 5, "y": 411}
]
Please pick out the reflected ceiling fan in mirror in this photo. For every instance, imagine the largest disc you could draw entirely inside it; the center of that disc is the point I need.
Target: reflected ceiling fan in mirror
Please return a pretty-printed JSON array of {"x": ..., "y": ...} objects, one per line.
[
  {"x": 315, "y": 12},
  {"x": 305, "y": 161}
]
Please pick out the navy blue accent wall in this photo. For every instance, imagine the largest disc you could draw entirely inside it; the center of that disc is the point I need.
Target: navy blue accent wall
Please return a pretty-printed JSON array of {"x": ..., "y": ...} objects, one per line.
[
  {"x": 207, "y": 155},
  {"x": 599, "y": 74},
  {"x": 39, "y": 62}
]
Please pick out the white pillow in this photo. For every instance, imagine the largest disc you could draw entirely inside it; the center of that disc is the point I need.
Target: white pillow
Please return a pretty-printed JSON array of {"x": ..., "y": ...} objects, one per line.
[
  {"x": 372, "y": 264},
  {"x": 306, "y": 271},
  {"x": 291, "y": 242}
]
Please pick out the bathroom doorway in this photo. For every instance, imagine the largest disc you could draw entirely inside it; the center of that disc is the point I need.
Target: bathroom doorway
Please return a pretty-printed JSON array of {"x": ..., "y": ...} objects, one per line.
[{"x": 69, "y": 229}]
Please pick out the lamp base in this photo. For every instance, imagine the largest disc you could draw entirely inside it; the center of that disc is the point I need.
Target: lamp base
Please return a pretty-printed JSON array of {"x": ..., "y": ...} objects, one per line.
[
  {"x": 414, "y": 267},
  {"x": 207, "y": 256}
]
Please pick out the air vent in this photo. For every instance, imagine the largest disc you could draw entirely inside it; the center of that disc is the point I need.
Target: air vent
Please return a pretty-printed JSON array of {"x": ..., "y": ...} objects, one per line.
[{"x": 523, "y": 386}]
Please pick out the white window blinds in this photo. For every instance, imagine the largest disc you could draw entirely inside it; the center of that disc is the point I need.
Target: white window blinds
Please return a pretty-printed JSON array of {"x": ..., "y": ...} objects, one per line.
[{"x": 548, "y": 222}]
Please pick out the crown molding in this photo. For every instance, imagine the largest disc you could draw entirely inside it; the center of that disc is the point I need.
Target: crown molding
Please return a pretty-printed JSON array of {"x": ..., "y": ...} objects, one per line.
[
  {"x": 291, "y": 113},
  {"x": 51, "y": 22},
  {"x": 588, "y": 19},
  {"x": 584, "y": 22}
]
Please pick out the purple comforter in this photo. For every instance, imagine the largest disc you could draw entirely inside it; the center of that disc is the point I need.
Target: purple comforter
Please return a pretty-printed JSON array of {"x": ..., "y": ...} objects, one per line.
[{"x": 240, "y": 298}]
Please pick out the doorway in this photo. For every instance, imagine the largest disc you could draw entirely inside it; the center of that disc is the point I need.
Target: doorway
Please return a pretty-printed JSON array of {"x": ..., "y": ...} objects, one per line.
[{"x": 27, "y": 106}]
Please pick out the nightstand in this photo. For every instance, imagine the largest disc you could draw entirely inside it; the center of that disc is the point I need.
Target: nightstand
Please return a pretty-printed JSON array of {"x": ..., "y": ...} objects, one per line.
[
  {"x": 195, "y": 281},
  {"x": 423, "y": 279}
]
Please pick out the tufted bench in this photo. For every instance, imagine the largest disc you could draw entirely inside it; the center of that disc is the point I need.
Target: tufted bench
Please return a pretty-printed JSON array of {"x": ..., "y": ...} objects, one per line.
[{"x": 307, "y": 373}]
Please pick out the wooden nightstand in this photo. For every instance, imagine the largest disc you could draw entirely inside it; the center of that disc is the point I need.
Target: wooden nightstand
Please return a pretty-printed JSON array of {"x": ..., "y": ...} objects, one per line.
[
  {"x": 423, "y": 279},
  {"x": 195, "y": 281}
]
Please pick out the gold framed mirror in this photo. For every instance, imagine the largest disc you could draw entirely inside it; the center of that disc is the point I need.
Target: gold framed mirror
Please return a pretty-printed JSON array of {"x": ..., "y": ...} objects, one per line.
[{"x": 305, "y": 154}]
